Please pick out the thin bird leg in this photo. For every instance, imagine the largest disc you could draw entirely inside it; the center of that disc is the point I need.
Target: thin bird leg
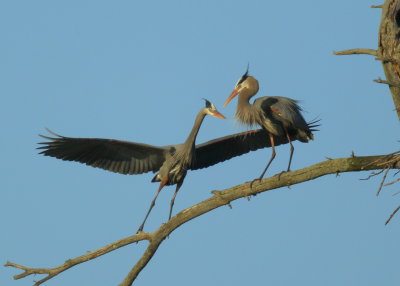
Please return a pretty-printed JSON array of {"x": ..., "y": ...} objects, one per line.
[
  {"x": 291, "y": 150},
  {"x": 178, "y": 186},
  {"x": 271, "y": 138},
  {"x": 153, "y": 202}
]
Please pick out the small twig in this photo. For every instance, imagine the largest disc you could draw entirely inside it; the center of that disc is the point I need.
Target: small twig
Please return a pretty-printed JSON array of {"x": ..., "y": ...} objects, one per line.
[
  {"x": 392, "y": 215},
  {"x": 373, "y": 174},
  {"x": 51, "y": 272},
  {"x": 378, "y": 80},
  {"x": 383, "y": 181},
  {"x": 391, "y": 183},
  {"x": 377, "y": 6},
  {"x": 371, "y": 52},
  {"x": 384, "y": 160},
  {"x": 392, "y": 161}
]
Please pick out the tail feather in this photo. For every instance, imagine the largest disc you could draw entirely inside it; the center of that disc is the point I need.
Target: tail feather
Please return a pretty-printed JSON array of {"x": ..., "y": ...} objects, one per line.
[
  {"x": 307, "y": 135},
  {"x": 313, "y": 124}
]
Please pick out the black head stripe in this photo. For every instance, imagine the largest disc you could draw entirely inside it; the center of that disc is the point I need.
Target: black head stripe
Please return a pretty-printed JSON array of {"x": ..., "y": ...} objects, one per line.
[
  {"x": 246, "y": 74},
  {"x": 208, "y": 104}
]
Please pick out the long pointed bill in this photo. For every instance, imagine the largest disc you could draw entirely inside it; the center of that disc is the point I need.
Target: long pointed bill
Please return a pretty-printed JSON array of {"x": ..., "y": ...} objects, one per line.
[
  {"x": 217, "y": 114},
  {"x": 233, "y": 94}
]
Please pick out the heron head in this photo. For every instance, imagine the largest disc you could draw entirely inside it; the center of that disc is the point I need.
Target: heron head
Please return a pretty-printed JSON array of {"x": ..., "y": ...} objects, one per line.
[
  {"x": 210, "y": 109},
  {"x": 245, "y": 82}
]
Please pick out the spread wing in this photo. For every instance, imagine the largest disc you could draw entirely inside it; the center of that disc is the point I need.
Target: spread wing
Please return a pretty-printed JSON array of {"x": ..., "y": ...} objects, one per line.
[
  {"x": 112, "y": 155},
  {"x": 225, "y": 148}
]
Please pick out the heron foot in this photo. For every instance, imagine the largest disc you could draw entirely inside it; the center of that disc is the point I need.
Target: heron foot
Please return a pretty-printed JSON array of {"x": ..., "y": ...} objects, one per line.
[
  {"x": 140, "y": 229},
  {"x": 252, "y": 182},
  {"x": 280, "y": 174},
  {"x": 283, "y": 172}
]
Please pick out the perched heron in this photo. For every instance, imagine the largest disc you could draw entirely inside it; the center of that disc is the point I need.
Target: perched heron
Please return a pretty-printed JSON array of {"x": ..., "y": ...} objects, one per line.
[{"x": 279, "y": 116}]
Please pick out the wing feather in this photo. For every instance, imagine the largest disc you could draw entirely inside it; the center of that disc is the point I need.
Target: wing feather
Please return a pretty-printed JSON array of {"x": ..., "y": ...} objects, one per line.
[
  {"x": 225, "y": 148},
  {"x": 113, "y": 155}
]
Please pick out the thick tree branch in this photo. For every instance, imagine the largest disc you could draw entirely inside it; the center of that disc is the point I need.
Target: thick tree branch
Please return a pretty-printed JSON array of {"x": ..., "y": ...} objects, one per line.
[{"x": 220, "y": 198}]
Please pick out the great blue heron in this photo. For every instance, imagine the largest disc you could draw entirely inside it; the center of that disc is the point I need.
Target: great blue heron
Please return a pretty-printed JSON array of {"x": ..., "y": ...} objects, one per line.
[
  {"x": 170, "y": 161},
  {"x": 279, "y": 116}
]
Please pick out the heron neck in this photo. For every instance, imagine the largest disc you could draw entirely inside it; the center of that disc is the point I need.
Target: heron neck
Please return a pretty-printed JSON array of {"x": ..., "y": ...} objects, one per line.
[
  {"x": 244, "y": 110},
  {"x": 190, "y": 141},
  {"x": 244, "y": 98}
]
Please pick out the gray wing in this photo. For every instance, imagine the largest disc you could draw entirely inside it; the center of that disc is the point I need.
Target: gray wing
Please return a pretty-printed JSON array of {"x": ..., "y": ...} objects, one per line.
[
  {"x": 112, "y": 155},
  {"x": 225, "y": 148}
]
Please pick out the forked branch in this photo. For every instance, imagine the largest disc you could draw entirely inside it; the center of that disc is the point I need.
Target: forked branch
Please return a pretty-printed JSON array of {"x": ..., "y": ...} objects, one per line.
[{"x": 220, "y": 198}]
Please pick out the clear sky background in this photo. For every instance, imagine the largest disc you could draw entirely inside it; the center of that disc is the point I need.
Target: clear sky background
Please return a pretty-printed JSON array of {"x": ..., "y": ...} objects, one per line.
[{"x": 137, "y": 70}]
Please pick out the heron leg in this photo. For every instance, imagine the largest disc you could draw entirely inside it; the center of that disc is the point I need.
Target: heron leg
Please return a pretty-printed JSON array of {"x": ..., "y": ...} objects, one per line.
[
  {"x": 271, "y": 138},
  {"x": 178, "y": 186},
  {"x": 291, "y": 150},
  {"x": 153, "y": 202}
]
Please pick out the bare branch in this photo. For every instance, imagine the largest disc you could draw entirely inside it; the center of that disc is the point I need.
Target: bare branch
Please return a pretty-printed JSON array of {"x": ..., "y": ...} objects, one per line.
[
  {"x": 51, "y": 272},
  {"x": 371, "y": 52},
  {"x": 220, "y": 198},
  {"x": 377, "y": 6}
]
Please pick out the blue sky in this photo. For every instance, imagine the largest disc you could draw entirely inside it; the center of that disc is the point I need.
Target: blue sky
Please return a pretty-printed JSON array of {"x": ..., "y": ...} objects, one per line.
[{"x": 138, "y": 70}]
